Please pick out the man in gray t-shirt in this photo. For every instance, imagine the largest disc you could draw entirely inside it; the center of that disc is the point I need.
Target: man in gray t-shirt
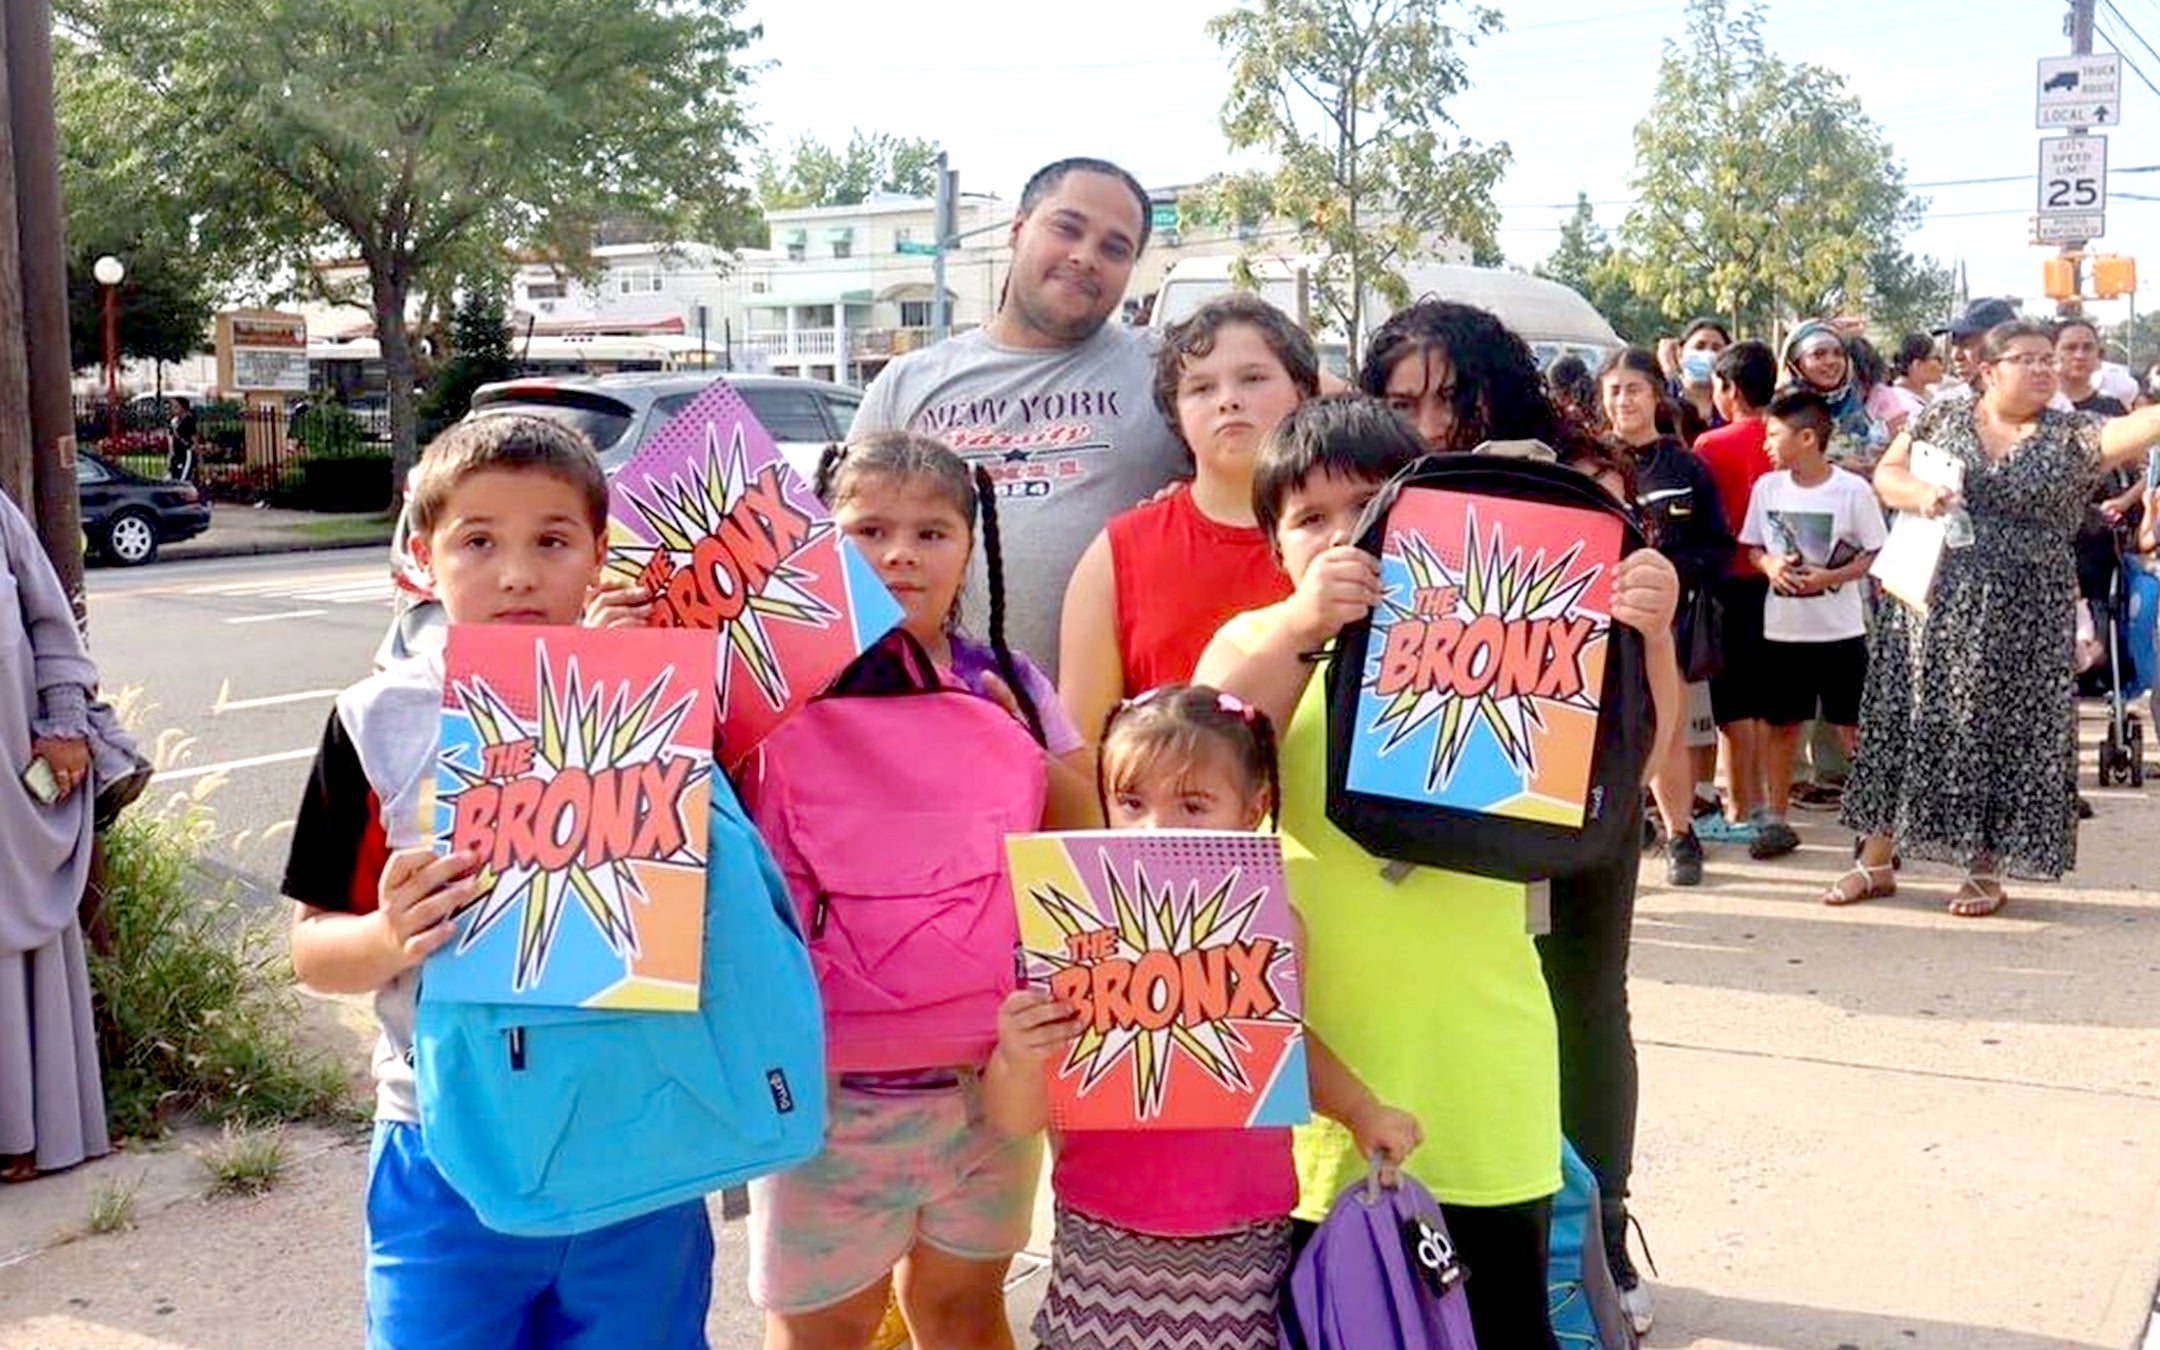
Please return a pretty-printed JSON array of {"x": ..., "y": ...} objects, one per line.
[{"x": 1054, "y": 400}]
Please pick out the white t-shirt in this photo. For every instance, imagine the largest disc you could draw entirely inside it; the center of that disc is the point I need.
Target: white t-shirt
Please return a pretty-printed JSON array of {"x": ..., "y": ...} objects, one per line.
[{"x": 1827, "y": 525}]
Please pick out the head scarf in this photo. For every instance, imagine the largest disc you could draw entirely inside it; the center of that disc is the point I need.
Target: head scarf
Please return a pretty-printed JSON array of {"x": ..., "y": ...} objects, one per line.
[{"x": 1848, "y": 404}]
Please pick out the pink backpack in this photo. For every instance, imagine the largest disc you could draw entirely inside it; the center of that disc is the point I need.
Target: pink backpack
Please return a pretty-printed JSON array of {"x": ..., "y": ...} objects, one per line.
[{"x": 886, "y": 802}]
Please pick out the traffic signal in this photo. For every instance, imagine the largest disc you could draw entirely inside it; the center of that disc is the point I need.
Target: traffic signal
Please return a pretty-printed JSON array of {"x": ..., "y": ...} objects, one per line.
[
  {"x": 2114, "y": 275},
  {"x": 2059, "y": 277}
]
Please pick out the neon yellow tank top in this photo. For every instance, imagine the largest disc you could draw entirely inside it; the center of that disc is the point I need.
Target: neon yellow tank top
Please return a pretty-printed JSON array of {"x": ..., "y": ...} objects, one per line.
[{"x": 1429, "y": 989}]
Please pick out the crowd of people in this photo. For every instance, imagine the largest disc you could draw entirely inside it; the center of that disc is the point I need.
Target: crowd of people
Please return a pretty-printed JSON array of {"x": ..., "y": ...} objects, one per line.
[{"x": 1141, "y": 545}]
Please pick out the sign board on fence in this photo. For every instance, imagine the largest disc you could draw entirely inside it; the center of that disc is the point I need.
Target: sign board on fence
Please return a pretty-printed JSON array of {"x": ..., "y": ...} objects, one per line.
[
  {"x": 2079, "y": 91},
  {"x": 262, "y": 352}
]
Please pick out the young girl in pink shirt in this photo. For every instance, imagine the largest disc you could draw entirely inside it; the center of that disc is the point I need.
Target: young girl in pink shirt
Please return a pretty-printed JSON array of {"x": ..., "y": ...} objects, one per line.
[{"x": 1184, "y": 1231}]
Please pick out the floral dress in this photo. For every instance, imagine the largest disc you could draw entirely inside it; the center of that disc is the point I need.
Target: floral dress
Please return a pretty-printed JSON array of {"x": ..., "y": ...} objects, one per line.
[{"x": 1968, "y": 731}]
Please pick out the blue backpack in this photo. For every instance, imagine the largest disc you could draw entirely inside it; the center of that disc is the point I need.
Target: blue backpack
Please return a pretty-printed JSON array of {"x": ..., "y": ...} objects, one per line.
[
  {"x": 554, "y": 1121},
  {"x": 1585, "y": 1303}
]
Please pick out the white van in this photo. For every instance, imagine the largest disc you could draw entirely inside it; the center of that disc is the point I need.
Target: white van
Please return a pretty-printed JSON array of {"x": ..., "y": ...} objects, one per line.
[{"x": 1551, "y": 317}]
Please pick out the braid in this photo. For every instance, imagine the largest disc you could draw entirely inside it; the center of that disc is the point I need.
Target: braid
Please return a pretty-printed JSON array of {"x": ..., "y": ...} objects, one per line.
[
  {"x": 828, "y": 468},
  {"x": 994, "y": 575},
  {"x": 1263, "y": 734}
]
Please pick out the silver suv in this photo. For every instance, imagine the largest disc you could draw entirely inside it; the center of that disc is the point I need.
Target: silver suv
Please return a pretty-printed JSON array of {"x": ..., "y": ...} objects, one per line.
[{"x": 618, "y": 413}]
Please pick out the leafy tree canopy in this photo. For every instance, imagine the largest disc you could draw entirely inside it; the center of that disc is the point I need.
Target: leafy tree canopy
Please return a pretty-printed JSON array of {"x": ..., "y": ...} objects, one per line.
[
  {"x": 813, "y": 173},
  {"x": 1349, "y": 98},
  {"x": 422, "y": 136}
]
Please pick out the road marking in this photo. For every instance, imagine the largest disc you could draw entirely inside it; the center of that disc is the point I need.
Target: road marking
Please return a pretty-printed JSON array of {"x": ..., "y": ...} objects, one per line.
[
  {"x": 253, "y": 761},
  {"x": 281, "y": 614},
  {"x": 225, "y": 705}
]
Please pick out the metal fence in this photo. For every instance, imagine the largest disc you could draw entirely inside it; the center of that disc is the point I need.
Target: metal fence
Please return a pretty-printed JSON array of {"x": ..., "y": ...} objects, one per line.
[{"x": 313, "y": 456}]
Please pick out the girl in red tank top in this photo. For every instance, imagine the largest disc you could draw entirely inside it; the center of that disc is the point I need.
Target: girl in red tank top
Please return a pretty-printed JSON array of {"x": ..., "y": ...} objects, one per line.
[{"x": 1160, "y": 579}]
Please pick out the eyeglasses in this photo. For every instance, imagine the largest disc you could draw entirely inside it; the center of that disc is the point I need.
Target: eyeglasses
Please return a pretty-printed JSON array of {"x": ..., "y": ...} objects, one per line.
[{"x": 2030, "y": 360}]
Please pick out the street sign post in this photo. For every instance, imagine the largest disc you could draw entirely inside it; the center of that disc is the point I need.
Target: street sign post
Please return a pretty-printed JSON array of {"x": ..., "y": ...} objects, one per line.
[
  {"x": 2079, "y": 91},
  {"x": 2073, "y": 189}
]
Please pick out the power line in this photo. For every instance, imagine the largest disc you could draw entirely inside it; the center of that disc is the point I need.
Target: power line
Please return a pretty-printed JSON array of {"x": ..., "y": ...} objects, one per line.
[
  {"x": 2109, "y": 38},
  {"x": 2131, "y": 29}
]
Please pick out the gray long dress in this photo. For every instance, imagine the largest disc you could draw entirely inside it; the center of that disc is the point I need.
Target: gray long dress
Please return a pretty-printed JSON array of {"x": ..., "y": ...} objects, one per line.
[
  {"x": 1968, "y": 731},
  {"x": 52, "y": 1103}
]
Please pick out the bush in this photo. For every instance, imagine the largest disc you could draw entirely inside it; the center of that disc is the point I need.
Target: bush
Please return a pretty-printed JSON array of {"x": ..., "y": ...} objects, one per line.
[
  {"x": 330, "y": 431},
  {"x": 196, "y": 1008}
]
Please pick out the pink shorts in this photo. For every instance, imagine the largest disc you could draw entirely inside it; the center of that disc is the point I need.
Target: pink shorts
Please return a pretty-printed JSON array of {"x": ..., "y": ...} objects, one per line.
[{"x": 897, "y": 1169}]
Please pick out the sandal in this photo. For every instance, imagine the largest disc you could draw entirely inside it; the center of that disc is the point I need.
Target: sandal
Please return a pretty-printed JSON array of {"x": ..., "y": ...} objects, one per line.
[
  {"x": 1875, "y": 883},
  {"x": 16, "y": 1168},
  {"x": 1980, "y": 895}
]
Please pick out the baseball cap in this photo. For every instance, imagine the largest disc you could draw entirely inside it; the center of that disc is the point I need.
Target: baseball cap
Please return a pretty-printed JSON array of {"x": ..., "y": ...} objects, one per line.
[{"x": 1979, "y": 316}]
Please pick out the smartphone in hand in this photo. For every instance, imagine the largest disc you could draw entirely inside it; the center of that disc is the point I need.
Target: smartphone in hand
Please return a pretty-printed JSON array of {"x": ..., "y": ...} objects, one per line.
[
  {"x": 38, "y": 778},
  {"x": 2152, "y": 469}
]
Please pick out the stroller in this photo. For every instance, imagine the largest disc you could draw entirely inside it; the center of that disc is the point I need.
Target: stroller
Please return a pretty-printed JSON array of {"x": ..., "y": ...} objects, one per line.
[{"x": 2108, "y": 576}]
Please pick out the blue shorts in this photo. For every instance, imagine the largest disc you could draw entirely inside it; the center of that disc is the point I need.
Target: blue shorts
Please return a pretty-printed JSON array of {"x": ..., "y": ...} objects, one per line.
[{"x": 438, "y": 1277}]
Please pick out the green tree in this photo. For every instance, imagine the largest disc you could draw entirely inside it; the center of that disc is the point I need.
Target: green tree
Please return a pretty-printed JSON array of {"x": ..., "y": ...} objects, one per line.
[
  {"x": 1586, "y": 260},
  {"x": 122, "y": 199},
  {"x": 479, "y": 353},
  {"x": 1908, "y": 294},
  {"x": 1349, "y": 98},
  {"x": 423, "y": 135},
  {"x": 815, "y": 174},
  {"x": 1765, "y": 193}
]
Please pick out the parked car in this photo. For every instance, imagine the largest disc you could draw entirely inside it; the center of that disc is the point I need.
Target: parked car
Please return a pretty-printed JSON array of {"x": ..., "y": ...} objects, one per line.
[
  {"x": 126, "y": 515},
  {"x": 618, "y": 414}
]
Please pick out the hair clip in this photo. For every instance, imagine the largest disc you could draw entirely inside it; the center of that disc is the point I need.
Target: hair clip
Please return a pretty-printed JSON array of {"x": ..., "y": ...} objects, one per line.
[{"x": 1235, "y": 706}]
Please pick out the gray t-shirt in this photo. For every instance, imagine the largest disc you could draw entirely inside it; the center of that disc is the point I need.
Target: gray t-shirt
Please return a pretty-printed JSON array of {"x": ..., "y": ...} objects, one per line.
[{"x": 1072, "y": 437}]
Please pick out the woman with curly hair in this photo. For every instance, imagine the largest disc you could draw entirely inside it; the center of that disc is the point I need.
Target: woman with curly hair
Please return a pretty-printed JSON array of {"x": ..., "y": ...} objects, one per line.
[{"x": 1462, "y": 378}]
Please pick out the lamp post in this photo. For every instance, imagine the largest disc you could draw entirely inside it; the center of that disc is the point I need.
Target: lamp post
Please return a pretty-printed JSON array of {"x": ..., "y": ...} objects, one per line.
[{"x": 109, "y": 271}]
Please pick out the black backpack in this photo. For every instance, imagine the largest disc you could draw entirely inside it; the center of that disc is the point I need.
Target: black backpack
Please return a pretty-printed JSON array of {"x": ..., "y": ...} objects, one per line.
[{"x": 1446, "y": 776}]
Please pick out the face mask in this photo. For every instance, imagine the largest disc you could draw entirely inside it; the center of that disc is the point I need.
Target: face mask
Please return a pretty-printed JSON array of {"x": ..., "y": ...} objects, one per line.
[{"x": 1697, "y": 366}]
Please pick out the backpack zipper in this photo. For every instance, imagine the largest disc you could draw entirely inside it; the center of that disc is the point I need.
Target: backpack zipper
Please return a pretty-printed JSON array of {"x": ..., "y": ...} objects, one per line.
[
  {"x": 516, "y": 1037},
  {"x": 817, "y": 914}
]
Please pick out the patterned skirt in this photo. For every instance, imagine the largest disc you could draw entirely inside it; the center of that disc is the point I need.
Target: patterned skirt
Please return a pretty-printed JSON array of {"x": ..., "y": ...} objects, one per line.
[{"x": 1114, "y": 1289}]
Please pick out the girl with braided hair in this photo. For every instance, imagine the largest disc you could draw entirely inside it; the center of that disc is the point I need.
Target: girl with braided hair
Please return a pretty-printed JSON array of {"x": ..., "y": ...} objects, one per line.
[{"x": 1173, "y": 1236}]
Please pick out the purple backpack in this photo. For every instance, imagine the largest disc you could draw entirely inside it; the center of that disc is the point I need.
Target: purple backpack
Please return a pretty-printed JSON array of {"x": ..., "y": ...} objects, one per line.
[{"x": 1380, "y": 1273}]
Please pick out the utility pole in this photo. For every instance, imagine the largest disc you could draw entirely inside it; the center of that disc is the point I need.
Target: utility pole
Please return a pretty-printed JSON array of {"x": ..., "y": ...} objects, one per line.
[
  {"x": 2080, "y": 26},
  {"x": 945, "y": 218},
  {"x": 41, "y": 227},
  {"x": 18, "y": 478}
]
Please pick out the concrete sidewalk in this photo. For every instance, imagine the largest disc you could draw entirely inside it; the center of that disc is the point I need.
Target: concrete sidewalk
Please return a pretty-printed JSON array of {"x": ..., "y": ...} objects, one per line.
[
  {"x": 1862, "y": 1128},
  {"x": 238, "y": 531}
]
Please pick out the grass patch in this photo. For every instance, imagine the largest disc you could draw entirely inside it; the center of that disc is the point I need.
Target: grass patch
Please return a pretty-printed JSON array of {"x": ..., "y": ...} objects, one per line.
[
  {"x": 197, "y": 1010},
  {"x": 112, "y": 1204},
  {"x": 246, "y": 1162},
  {"x": 342, "y": 529}
]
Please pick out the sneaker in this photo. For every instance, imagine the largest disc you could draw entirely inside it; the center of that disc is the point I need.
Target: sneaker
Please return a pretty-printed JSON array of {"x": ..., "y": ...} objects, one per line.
[
  {"x": 1774, "y": 840},
  {"x": 1683, "y": 861},
  {"x": 1715, "y": 829},
  {"x": 1634, "y": 1294},
  {"x": 1818, "y": 796}
]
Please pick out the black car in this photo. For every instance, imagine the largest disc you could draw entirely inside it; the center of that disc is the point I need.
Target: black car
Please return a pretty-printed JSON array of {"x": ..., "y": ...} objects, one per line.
[{"x": 126, "y": 516}]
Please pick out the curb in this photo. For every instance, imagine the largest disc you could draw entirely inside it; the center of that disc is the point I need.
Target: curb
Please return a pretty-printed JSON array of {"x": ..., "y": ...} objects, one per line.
[{"x": 189, "y": 553}]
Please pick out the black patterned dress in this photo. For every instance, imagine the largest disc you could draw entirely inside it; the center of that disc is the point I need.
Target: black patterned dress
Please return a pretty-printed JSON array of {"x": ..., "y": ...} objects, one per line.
[{"x": 1968, "y": 733}]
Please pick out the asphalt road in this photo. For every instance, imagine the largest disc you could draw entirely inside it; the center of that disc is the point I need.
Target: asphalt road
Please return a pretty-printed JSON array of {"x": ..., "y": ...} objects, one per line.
[{"x": 243, "y": 656}]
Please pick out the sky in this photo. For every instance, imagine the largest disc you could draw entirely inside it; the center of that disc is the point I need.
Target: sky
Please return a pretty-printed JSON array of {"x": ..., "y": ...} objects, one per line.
[{"x": 1006, "y": 87}]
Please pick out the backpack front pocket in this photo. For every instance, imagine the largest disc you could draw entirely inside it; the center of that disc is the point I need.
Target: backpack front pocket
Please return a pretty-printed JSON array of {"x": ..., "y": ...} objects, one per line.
[{"x": 905, "y": 910}]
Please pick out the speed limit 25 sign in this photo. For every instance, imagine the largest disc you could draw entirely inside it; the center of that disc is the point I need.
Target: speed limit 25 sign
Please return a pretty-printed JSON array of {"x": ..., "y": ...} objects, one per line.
[{"x": 2073, "y": 188}]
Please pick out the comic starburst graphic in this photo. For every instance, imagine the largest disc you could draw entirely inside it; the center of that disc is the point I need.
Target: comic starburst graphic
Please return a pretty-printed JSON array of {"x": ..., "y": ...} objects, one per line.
[
  {"x": 1147, "y": 918},
  {"x": 686, "y": 509},
  {"x": 573, "y": 731},
  {"x": 1495, "y": 580}
]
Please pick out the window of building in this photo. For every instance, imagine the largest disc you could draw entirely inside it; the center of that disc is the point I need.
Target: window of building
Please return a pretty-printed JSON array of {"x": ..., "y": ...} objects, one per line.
[
  {"x": 637, "y": 281},
  {"x": 914, "y": 313},
  {"x": 544, "y": 290},
  {"x": 797, "y": 250},
  {"x": 842, "y": 240}
]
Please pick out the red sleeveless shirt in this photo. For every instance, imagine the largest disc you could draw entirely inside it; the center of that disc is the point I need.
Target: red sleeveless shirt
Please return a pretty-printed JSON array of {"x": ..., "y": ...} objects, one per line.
[{"x": 1179, "y": 577}]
